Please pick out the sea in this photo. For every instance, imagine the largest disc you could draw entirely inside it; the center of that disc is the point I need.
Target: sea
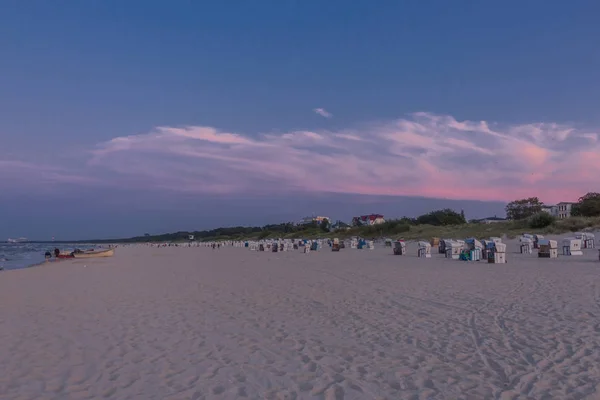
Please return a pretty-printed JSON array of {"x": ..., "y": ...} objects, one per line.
[{"x": 23, "y": 255}]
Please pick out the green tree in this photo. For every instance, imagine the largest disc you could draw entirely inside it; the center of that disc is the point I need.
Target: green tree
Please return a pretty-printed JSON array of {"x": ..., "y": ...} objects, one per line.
[
  {"x": 325, "y": 225},
  {"x": 408, "y": 221},
  {"x": 523, "y": 208},
  {"x": 587, "y": 206},
  {"x": 446, "y": 216},
  {"x": 541, "y": 220}
]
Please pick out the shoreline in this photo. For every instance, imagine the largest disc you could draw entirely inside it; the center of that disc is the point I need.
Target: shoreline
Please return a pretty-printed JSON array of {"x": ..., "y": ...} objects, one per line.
[
  {"x": 35, "y": 257},
  {"x": 36, "y": 264}
]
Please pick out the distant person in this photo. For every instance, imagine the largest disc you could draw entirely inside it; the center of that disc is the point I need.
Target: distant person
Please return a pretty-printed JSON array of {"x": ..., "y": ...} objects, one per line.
[
  {"x": 48, "y": 256},
  {"x": 56, "y": 252}
]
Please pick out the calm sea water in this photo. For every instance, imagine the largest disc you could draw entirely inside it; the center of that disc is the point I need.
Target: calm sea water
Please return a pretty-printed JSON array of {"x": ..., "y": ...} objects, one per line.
[{"x": 23, "y": 255}]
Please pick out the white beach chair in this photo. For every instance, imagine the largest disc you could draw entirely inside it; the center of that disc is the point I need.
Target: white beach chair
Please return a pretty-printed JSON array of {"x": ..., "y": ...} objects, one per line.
[
  {"x": 498, "y": 254},
  {"x": 547, "y": 248},
  {"x": 572, "y": 247},
  {"x": 424, "y": 250},
  {"x": 453, "y": 249},
  {"x": 587, "y": 239},
  {"x": 526, "y": 245}
]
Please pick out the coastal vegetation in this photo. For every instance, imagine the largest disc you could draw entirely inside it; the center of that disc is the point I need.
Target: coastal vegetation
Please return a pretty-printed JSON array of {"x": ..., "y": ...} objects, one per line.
[
  {"x": 587, "y": 206},
  {"x": 525, "y": 215}
]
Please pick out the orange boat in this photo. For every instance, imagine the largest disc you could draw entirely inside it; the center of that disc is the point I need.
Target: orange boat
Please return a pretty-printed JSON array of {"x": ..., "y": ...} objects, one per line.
[{"x": 65, "y": 255}]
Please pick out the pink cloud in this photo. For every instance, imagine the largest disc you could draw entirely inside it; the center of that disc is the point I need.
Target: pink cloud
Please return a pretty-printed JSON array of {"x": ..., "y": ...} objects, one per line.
[
  {"x": 533, "y": 156},
  {"x": 204, "y": 133},
  {"x": 424, "y": 155}
]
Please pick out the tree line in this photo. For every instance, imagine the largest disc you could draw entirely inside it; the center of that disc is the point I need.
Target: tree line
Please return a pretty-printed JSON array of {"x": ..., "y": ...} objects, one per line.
[
  {"x": 532, "y": 208},
  {"x": 437, "y": 218},
  {"x": 587, "y": 206}
]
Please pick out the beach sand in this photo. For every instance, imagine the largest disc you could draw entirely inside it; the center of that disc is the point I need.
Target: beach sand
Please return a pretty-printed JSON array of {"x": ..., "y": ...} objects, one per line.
[{"x": 196, "y": 323}]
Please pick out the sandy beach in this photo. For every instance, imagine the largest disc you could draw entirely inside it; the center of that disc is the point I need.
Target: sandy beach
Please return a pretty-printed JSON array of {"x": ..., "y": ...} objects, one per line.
[{"x": 196, "y": 323}]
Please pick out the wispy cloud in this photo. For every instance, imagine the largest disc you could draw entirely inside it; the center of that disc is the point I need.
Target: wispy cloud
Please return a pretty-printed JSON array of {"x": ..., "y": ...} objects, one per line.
[
  {"x": 20, "y": 177},
  {"x": 322, "y": 112},
  {"x": 423, "y": 155}
]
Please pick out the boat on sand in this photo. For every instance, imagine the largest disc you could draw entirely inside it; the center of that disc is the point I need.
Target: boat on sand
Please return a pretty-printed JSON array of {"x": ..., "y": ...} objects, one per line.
[{"x": 94, "y": 253}]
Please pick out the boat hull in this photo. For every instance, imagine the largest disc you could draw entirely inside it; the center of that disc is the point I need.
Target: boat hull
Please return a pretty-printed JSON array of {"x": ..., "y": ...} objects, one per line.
[
  {"x": 64, "y": 256},
  {"x": 95, "y": 254}
]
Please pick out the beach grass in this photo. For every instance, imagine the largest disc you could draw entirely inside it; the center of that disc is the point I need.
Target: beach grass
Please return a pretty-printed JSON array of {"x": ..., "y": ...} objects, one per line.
[{"x": 394, "y": 230}]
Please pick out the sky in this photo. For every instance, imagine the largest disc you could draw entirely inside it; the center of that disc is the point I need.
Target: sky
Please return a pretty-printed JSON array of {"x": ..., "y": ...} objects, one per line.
[{"x": 121, "y": 118}]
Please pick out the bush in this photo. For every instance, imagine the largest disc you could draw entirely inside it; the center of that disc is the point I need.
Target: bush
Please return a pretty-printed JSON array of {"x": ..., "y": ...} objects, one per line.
[
  {"x": 395, "y": 226},
  {"x": 521, "y": 223},
  {"x": 441, "y": 218},
  {"x": 541, "y": 220},
  {"x": 575, "y": 224},
  {"x": 389, "y": 227},
  {"x": 264, "y": 235}
]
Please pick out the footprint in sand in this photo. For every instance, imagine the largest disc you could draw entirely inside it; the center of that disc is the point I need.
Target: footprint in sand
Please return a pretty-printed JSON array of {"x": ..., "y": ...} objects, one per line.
[
  {"x": 197, "y": 395},
  {"x": 218, "y": 389},
  {"x": 355, "y": 387},
  {"x": 361, "y": 370},
  {"x": 305, "y": 386},
  {"x": 311, "y": 367},
  {"x": 335, "y": 392},
  {"x": 240, "y": 377}
]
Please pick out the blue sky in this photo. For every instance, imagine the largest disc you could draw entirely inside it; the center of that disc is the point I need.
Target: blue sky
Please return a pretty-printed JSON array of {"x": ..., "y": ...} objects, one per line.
[{"x": 86, "y": 85}]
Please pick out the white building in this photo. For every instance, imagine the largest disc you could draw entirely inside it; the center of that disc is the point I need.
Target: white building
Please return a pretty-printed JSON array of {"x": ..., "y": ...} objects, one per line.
[
  {"x": 564, "y": 209},
  {"x": 552, "y": 210},
  {"x": 561, "y": 210}
]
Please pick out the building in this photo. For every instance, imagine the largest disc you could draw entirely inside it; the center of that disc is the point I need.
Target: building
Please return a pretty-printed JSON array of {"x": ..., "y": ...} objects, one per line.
[
  {"x": 564, "y": 209},
  {"x": 340, "y": 225},
  {"x": 372, "y": 219},
  {"x": 310, "y": 220},
  {"x": 561, "y": 210},
  {"x": 552, "y": 210}
]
